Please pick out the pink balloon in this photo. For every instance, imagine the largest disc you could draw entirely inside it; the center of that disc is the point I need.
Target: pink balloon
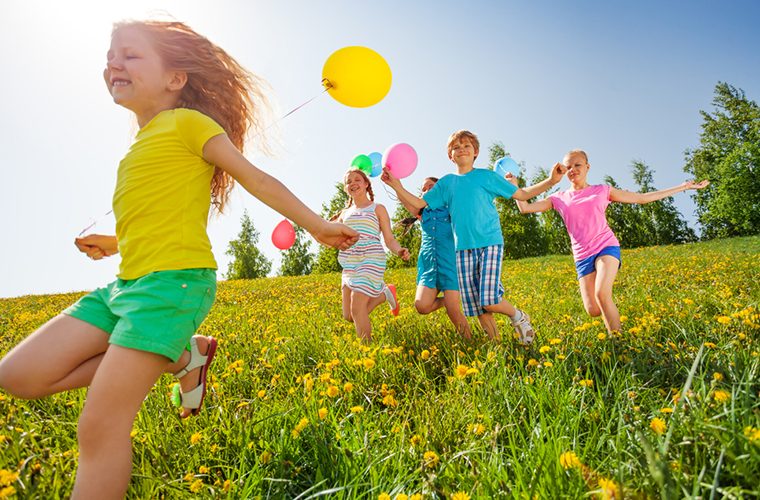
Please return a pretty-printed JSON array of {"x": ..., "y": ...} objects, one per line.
[
  {"x": 284, "y": 235},
  {"x": 400, "y": 159}
]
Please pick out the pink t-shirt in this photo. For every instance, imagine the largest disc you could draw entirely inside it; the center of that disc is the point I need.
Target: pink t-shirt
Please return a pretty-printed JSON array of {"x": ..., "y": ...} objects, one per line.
[{"x": 585, "y": 220}]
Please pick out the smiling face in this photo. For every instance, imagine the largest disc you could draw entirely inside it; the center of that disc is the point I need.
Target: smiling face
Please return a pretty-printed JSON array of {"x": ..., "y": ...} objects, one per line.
[
  {"x": 463, "y": 151},
  {"x": 356, "y": 184},
  {"x": 136, "y": 77},
  {"x": 577, "y": 167}
]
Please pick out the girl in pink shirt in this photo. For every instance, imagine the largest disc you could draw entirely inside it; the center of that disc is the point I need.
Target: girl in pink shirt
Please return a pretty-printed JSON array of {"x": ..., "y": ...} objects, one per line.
[{"x": 596, "y": 250}]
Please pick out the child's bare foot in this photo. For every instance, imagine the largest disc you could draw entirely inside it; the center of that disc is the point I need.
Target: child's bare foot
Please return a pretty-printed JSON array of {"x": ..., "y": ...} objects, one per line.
[{"x": 192, "y": 378}]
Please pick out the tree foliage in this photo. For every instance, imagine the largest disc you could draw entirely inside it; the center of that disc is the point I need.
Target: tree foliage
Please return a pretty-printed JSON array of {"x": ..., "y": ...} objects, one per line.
[
  {"x": 327, "y": 257},
  {"x": 248, "y": 261},
  {"x": 729, "y": 156},
  {"x": 297, "y": 260}
]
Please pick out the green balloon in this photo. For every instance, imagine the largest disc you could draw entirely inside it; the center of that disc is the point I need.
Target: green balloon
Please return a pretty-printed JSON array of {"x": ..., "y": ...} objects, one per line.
[{"x": 363, "y": 163}]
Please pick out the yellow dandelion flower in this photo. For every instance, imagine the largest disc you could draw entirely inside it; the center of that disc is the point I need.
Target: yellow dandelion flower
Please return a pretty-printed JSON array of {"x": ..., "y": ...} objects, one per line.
[
  {"x": 658, "y": 425},
  {"x": 722, "y": 396},
  {"x": 478, "y": 429},
  {"x": 265, "y": 457},
  {"x": 261, "y": 393},
  {"x": 532, "y": 362},
  {"x": 188, "y": 477},
  {"x": 724, "y": 320},
  {"x": 586, "y": 382},
  {"x": 384, "y": 496},
  {"x": 416, "y": 496},
  {"x": 601, "y": 336},
  {"x": 348, "y": 387},
  {"x": 196, "y": 486},
  {"x": 415, "y": 440},
  {"x": 322, "y": 412},
  {"x": 752, "y": 433},
  {"x": 623, "y": 318},
  {"x": 710, "y": 345},
  {"x": 609, "y": 489},
  {"x": 7, "y": 491},
  {"x": 544, "y": 349},
  {"x": 667, "y": 409},
  {"x": 368, "y": 363},
  {"x": 569, "y": 460},
  {"x": 555, "y": 341},
  {"x": 548, "y": 364},
  {"x": 717, "y": 376},
  {"x": 430, "y": 459},
  {"x": 357, "y": 409},
  {"x": 389, "y": 400},
  {"x": 401, "y": 496},
  {"x": 461, "y": 371},
  {"x": 460, "y": 495},
  {"x": 425, "y": 355},
  {"x": 332, "y": 391},
  {"x": 203, "y": 469},
  {"x": 528, "y": 380},
  {"x": 226, "y": 486},
  {"x": 196, "y": 438}
]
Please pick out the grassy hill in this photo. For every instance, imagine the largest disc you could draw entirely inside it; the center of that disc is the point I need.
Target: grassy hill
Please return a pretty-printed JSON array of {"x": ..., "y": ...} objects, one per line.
[{"x": 671, "y": 406}]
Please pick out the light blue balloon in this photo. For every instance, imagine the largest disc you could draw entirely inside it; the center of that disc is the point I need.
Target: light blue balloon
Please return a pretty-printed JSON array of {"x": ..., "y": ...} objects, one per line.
[
  {"x": 377, "y": 164},
  {"x": 507, "y": 164}
]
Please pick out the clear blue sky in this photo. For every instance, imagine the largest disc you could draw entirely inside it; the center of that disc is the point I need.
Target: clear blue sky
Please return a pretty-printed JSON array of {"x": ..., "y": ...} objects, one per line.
[{"x": 623, "y": 81}]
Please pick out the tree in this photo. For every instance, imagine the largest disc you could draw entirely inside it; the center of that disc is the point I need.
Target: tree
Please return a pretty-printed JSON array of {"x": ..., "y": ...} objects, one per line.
[
  {"x": 327, "y": 257},
  {"x": 523, "y": 235},
  {"x": 297, "y": 260},
  {"x": 409, "y": 238},
  {"x": 557, "y": 239},
  {"x": 729, "y": 156},
  {"x": 248, "y": 261},
  {"x": 661, "y": 217}
]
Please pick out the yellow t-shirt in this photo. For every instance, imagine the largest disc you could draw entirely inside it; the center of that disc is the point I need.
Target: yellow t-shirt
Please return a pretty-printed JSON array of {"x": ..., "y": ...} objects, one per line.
[{"x": 163, "y": 195}]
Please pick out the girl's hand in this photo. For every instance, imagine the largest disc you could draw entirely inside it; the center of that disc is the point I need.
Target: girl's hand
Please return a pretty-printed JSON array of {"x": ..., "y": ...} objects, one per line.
[
  {"x": 97, "y": 246},
  {"x": 511, "y": 178},
  {"x": 333, "y": 234},
  {"x": 695, "y": 185},
  {"x": 404, "y": 254},
  {"x": 558, "y": 171},
  {"x": 388, "y": 178}
]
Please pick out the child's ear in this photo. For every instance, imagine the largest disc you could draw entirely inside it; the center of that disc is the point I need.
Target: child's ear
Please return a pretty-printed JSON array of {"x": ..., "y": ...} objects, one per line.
[{"x": 177, "y": 81}]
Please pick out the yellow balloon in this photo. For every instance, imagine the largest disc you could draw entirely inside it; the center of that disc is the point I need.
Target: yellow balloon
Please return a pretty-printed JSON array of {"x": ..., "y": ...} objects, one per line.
[{"x": 356, "y": 76}]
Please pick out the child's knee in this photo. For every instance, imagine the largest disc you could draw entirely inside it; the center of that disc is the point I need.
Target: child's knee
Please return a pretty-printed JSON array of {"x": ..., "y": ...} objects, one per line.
[
  {"x": 594, "y": 311},
  {"x": 96, "y": 430},
  {"x": 422, "y": 307}
]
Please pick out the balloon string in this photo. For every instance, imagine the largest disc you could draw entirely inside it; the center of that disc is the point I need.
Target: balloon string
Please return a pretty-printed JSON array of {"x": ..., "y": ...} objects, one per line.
[
  {"x": 391, "y": 194},
  {"x": 327, "y": 85},
  {"x": 93, "y": 223}
]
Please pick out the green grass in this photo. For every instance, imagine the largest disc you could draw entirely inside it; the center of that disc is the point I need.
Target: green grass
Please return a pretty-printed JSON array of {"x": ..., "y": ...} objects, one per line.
[{"x": 690, "y": 312}]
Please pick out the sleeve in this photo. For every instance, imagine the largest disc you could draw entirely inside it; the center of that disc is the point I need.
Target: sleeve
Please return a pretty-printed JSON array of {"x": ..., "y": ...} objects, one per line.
[
  {"x": 195, "y": 129},
  {"x": 553, "y": 199},
  {"x": 606, "y": 189},
  {"x": 499, "y": 186},
  {"x": 436, "y": 197}
]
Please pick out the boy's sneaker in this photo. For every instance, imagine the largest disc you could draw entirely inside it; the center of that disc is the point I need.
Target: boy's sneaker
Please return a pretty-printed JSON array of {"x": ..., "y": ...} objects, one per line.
[
  {"x": 523, "y": 329},
  {"x": 392, "y": 298}
]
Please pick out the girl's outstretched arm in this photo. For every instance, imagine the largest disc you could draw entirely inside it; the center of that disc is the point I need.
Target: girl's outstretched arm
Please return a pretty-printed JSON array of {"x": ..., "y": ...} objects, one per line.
[
  {"x": 408, "y": 199},
  {"x": 385, "y": 228},
  {"x": 220, "y": 151},
  {"x": 535, "y": 207},
  {"x": 623, "y": 196}
]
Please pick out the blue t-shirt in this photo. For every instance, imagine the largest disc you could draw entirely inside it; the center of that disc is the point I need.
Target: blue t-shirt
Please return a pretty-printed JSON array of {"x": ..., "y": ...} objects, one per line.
[{"x": 470, "y": 200}]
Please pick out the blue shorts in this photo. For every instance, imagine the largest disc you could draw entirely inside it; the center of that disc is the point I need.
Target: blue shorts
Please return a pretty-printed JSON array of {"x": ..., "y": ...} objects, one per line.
[
  {"x": 479, "y": 273},
  {"x": 587, "y": 266}
]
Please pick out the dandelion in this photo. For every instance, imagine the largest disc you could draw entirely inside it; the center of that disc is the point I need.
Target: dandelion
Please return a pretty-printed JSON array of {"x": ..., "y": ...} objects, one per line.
[
  {"x": 189, "y": 477},
  {"x": 333, "y": 391},
  {"x": 203, "y": 469},
  {"x": 569, "y": 460},
  {"x": 416, "y": 496},
  {"x": 532, "y": 362},
  {"x": 357, "y": 409},
  {"x": 722, "y": 396},
  {"x": 724, "y": 320},
  {"x": 196, "y": 438},
  {"x": 658, "y": 425},
  {"x": 261, "y": 393},
  {"x": 226, "y": 486},
  {"x": 300, "y": 426},
  {"x": 667, "y": 409},
  {"x": 586, "y": 382},
  {"x": 368, "y": 363},
  {"x": 322, "y": 413},
  {"x": 609, "y": 489},
  {"x": 389, "y": 400},
  {"x": 478, "y": 429},
  {"x": 710, "y": 345},
  {"x": 548, "y": 364},
  {"x": 196, "y": 486},
  {"x": 401, "y": 496},
  {"x": 415, "y": 440},
  {"x": 751, "y": 433},
  {"x": 460, "y": 495},
  {"x": 717, "y": 376},
  {"x": 555, "y": 341},
  {"x": 461, "y": 371},
  {"x": 544, "y": 349},
  {"x": 348, "y": 387},
  {"x": 601, "y": 336},
  {"x": 265, "y": 457},
  {"x": 7, "y": 491},
  {"x": 430, "y": 459},
  {"x": 425, "y": 355},
  {"x": 384, "y": 496}
]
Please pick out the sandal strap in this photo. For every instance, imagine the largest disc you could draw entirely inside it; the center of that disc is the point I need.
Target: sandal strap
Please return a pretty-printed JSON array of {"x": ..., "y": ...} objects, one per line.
[
  {"x": 191, "y": 400},
  {"x": 196, "y": 360}
]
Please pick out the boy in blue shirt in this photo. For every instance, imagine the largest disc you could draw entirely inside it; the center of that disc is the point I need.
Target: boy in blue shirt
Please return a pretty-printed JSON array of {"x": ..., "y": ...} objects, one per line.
[{"x": 469, "y": 195}]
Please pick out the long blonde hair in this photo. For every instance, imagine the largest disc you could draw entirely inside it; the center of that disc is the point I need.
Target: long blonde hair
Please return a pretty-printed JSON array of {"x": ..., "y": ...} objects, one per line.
[{"x": 217, "y": 86}]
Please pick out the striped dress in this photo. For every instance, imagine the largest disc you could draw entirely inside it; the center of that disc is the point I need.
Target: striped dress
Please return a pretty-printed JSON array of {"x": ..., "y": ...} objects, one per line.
[{"x": 364, "y": 263}]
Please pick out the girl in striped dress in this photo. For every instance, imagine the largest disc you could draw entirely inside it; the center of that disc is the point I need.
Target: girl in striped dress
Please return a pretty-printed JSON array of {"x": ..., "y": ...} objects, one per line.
[{"x": 364, "y": 264}]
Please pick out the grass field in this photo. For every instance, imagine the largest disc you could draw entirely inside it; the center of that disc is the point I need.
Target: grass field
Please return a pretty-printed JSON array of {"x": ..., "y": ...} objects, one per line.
[{"x": 298, "y": 408}]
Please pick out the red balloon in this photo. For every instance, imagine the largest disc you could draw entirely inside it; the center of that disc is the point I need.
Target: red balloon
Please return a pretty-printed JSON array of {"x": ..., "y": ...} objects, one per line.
[{"x": 284, "y": 235}]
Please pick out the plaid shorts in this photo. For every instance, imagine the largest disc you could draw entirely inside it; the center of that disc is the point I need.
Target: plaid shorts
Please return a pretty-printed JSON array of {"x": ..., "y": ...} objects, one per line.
[{"x": 479, "y": 271}]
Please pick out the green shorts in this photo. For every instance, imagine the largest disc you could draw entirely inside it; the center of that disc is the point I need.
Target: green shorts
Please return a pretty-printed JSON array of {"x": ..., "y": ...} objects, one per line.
[{"x": 158, "y": 312}]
